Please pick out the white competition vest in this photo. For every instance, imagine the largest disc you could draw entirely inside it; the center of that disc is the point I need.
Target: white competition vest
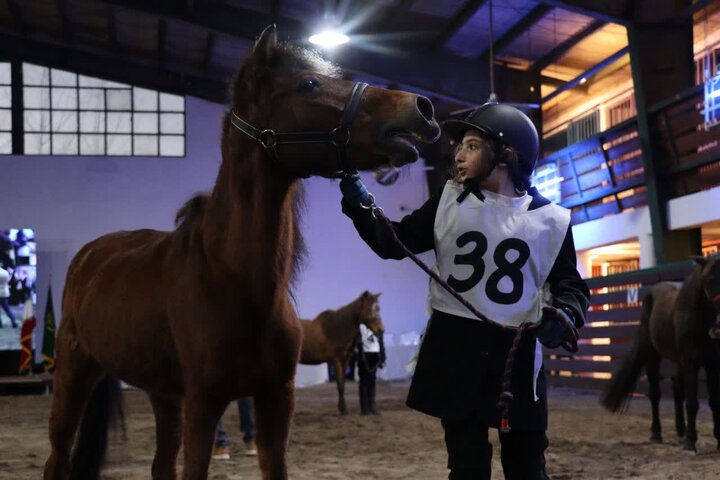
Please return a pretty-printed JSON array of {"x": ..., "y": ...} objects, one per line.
[{"x": 496, "y": 253}]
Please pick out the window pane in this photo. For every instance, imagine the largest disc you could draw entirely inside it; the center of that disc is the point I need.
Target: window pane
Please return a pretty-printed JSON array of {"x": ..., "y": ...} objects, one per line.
[
  {"x": 172, "y": 145},
  {"x": 119, "y": 122},
  {"x": 92, "y": 144},
  {"x": 36, "y": 120},
  {"x": 64, "y": 144},
  {"x": 97, "y": 82},
  {"x": 35, "y": 75},
  {"x": 92, "y": 122},
  {"x": 118, "y": 99},
  {"x": 145, "y": 100},
  {"x": 92, "y": 99},
  {"x": 146, "y": 145},
  {"x": 61, "y": 77},
  {"x": 172, "y": 123},
  {"x": 5, "y": 143},
  {"x": 5, "y": 120},
  {"x": 171, "y": 103},
  {"x": 36, "y": 97},
  {"x": 145, "y": 122},
  {"x": 5, "y": 99},
  {"x": 64, "y": 98},
  {"x": 63, "y": 121},
  {"x": 37, "y": 143},
  {"x": 119, "y": 145},
  {"x": 5, "y": 75}
]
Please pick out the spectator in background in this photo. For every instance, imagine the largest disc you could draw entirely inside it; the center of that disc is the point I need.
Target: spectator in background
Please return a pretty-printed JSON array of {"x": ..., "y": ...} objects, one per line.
[{"x": 5, "y": 293}]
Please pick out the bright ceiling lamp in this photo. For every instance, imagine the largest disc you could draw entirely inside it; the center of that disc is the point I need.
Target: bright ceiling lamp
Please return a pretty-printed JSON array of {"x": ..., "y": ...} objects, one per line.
[{"x": 329, "y": 38}]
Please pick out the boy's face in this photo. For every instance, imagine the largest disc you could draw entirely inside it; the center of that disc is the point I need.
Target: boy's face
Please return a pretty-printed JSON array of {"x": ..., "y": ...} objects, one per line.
[{"x": 473, "y": 156}]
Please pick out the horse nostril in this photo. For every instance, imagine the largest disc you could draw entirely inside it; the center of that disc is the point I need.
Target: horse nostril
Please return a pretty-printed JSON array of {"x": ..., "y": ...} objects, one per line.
[{"x": 425, "y": 107}]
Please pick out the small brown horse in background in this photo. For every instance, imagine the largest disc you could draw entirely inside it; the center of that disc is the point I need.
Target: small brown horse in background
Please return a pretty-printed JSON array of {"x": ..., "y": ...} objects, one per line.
[
  {"x": 202, "y": 315},
  {"x": 330, "y": 337},
  {"x": 680, "y": 323}
]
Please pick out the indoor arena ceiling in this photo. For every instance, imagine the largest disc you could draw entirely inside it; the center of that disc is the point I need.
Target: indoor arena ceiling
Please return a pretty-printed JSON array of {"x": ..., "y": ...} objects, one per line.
[{"x": 437, "y": 47}]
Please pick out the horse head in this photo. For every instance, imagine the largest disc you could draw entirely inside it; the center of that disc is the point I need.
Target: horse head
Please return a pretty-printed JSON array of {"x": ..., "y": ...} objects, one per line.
[
  {"x": 312, "y": 122},
  {"x": 710, "y": 277},
  {"x": 370, "y": 312}
]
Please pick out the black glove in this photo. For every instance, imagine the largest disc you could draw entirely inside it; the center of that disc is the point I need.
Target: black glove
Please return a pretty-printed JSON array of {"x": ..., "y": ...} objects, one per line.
[
  {"x": 557, "y": 328},
  {"x": 354, "y": 191},
  {"x": 381, "y": 359}
]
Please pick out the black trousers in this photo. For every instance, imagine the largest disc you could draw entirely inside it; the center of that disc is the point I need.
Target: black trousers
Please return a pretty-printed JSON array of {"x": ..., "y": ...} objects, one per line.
[
  {"x": 367, "y": 372},
  {"x": 470, "y": 453}
]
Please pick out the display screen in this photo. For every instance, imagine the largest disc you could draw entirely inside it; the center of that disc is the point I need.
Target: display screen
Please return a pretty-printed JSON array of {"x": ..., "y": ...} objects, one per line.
[{"x": 18, "y": 273}]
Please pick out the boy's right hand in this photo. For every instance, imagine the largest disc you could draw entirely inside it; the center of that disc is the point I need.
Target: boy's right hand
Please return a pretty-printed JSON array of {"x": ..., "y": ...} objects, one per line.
[{"x": 354, "y": 191}]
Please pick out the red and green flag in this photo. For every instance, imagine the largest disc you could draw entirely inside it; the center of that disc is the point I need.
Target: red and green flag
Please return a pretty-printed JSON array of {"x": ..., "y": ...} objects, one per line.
[
  {"x": 26, "y": 333},
  {"x": 48, "y": 347}
]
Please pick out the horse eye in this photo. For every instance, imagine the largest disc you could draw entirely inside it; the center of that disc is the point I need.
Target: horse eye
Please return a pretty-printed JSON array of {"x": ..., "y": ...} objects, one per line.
[{"x": 309, "y": 84}]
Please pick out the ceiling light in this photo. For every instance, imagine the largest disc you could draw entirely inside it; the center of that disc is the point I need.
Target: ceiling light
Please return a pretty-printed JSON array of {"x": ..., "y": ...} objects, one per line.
[{"x": 329, "y": 39}]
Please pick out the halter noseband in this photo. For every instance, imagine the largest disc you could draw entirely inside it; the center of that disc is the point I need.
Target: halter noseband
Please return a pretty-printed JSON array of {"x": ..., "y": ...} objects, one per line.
[{"x": 338, "y": 136}]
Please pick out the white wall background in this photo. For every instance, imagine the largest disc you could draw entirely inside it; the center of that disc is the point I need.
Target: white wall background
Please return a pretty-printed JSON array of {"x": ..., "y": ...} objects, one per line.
[{"x": 69, "y": 201}]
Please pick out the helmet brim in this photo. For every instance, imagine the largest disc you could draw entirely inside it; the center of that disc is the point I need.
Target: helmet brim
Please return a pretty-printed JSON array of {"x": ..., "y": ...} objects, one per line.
[{"x": 455, "y": 129}]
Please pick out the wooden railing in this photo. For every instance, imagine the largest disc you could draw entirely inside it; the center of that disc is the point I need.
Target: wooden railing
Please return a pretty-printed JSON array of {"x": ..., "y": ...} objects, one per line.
[
  {"x": 604, "y": 174},
  {"x": 610, "y": 328}
]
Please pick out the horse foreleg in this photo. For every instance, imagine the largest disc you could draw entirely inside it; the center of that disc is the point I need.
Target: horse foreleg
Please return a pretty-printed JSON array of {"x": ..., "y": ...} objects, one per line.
[
  {"x": 712, "y": 370},
  {"x": 273, "y": 412},
  {"x": 690, "y": 377},
  {"x": 340, "y": 366},
  {"x": 201, "y": 418},
  {"x": 653, "y": 376},
  {"x": 75, "y": 376},
  {"x": 168, "y": 429},
  {"x": 679, "y": 398}
]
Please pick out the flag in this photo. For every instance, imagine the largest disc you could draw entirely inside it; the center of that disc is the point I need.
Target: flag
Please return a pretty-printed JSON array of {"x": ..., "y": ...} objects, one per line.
[
  {"x": 28, "y": 326},
  {"x": 48, "y": 348}
]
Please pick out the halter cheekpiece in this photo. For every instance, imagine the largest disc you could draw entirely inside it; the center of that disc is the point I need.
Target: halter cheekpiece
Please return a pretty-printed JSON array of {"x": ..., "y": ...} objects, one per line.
[{"x": 338, "y": 136}]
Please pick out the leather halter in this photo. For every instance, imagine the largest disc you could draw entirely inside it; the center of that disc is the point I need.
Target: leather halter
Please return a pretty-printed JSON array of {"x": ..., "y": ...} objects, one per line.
[{"x": 338, "y": 136}]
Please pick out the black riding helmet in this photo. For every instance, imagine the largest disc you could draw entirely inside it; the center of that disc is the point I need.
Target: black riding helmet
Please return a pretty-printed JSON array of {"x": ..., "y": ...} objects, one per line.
[{"x": 504, "y": 123}]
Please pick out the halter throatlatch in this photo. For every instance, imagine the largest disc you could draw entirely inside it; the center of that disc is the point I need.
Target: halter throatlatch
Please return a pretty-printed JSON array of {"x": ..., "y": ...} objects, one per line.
[{"x": 339, "y": 136}]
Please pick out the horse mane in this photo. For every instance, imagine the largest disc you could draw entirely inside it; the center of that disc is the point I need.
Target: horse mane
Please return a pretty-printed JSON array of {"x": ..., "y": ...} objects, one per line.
[{"x": 691, "y": 297}]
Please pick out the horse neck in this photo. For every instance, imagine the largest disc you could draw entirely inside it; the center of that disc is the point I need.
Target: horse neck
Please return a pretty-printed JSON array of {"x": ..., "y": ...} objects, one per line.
[
  {"x": 249, "y": 225},
  {"x": 343, "y": 325},
  {"x": 692, "y": 298}
]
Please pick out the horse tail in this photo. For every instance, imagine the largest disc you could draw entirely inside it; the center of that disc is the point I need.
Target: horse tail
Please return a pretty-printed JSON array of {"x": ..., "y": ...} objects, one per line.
[
  {"x": 103, "y": 409},
  {"x": 616, "y": 394}
]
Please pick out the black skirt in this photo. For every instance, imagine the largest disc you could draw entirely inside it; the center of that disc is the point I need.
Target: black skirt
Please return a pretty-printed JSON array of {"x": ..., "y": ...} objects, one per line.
[{"x": 459, "y": 374}]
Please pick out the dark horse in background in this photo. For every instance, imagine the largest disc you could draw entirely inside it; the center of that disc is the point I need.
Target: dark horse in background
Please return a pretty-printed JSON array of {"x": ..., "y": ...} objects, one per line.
[
  {"x": 202, "y": 315},
  {"x": 330, "y": 337},
  {"x": 682, "y": 324}
]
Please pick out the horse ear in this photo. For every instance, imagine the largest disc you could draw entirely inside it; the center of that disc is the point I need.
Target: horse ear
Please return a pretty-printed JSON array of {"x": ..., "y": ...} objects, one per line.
[
  {"x": 699, "y": 259},
  {"x": 377, "y": 295},
  {"x": 366, "y": 294},
  {"x": 265, "y": 45}
]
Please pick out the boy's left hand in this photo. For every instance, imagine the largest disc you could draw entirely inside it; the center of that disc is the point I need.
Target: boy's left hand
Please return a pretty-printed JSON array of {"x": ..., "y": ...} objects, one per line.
[{"x": 557, "y": 328}]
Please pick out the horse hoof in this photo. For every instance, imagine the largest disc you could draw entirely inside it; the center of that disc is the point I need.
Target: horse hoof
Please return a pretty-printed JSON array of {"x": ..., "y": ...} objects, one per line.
[
  {"x": 656, "y": 438},
  {"x": 689, "y": 448}
]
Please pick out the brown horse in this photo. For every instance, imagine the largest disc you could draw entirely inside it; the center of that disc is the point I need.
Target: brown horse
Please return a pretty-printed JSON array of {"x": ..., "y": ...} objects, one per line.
[
  {"x": 680, "y": 323},
  {"x": 330, "y": 336},
  {"x": 203, "y": 315}
]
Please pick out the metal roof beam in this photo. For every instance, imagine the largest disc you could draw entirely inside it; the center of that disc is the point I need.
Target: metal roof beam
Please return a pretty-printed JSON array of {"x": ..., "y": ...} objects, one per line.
[
  {"x": 564, "y": 47},
  {"x": 109, "y": 65},
  {"x": 457, "y": 22},
  {"x": 615, "y": 12},
  {"x": 514, "y": 32},
  {"x": 586, "y": 74}
]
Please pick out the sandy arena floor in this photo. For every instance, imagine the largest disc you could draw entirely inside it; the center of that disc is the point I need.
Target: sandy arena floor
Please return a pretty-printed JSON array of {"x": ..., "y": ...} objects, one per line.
[{"x": 585, "y": 441}]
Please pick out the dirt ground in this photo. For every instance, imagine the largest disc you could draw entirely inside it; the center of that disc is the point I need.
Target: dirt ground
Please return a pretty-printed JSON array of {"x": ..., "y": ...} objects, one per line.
[{"x": 585, "y": 441}]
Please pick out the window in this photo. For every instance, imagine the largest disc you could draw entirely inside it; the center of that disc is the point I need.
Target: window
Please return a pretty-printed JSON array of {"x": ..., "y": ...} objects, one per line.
[
  {"x": 5, "y": 109},
  {"x": 71, "y": 114}
]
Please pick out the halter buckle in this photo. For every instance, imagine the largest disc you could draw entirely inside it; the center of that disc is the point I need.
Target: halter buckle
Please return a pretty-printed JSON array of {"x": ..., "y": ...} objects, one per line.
[
  {"x": 268, "y": 138},
  {"x": 340, "y": 136}
]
